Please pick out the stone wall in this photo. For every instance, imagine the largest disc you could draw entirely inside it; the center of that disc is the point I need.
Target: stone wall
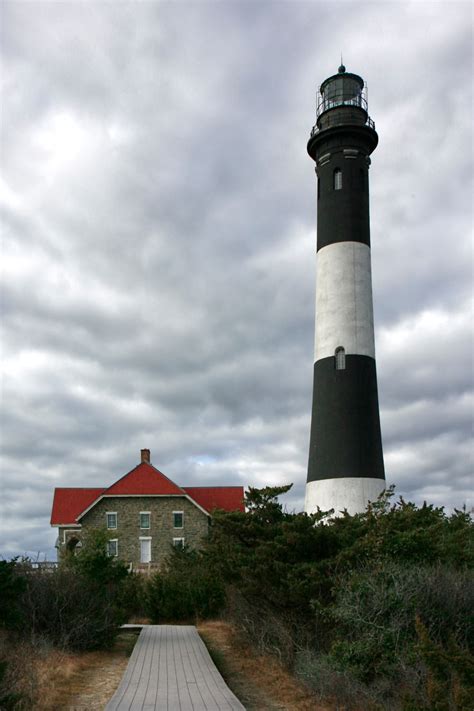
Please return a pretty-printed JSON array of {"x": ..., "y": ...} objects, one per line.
[
  {"x": 161, "y": 531},
  {"x": 66, "y": 535}
]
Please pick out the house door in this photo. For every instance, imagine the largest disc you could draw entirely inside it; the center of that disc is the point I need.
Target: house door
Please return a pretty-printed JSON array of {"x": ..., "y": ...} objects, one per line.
[{"x": 145, "y": 550}]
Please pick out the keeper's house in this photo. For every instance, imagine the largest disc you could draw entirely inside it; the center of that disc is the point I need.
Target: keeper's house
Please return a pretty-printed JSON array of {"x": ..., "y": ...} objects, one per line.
[{"x": 144, "y": 512}]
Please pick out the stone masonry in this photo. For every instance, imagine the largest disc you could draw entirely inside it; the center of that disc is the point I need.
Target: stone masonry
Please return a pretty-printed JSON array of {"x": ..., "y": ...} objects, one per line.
[{"x": 128, "y": 532}]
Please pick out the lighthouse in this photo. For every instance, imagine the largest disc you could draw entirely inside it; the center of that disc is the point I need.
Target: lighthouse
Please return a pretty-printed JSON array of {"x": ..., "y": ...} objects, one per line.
[{"x": 345, "y": 468}]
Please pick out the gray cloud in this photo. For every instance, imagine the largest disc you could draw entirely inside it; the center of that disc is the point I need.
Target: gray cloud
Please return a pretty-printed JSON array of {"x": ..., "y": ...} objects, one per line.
[{"x": 159, "y": 243}]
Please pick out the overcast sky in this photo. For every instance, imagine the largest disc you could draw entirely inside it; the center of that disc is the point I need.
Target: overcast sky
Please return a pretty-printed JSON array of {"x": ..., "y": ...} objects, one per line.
[{"x": 159, "y": 229}]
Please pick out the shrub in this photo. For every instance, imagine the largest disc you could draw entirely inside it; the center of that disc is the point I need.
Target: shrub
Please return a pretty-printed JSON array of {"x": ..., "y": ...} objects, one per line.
[
  {"x": 133, "y": 596},
  {"x": 94, "y": 563},
  {"x": 186, "y": 589},
  {"x": 346, "y": 692},
  {"x": 449, "y": 679},
  {"x": 70, "y": 610},
  {"x": 12, "y": 586},
  {"x": 270, "y": 631},
  {"x": 375, "y": 611},
  {"x": 79, "y": 605}
]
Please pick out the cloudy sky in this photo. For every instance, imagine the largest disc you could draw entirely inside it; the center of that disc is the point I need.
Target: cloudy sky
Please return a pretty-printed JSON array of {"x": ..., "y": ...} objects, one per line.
[{"x": 159, "y": 216}]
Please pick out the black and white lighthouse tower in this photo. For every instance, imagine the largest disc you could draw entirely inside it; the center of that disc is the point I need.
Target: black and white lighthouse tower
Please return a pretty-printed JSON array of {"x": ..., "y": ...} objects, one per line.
[{"x": 345, "y": 469}]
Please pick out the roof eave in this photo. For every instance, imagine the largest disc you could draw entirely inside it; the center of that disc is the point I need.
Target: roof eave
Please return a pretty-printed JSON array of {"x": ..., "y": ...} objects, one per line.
[{"x": 129, "y": 496}]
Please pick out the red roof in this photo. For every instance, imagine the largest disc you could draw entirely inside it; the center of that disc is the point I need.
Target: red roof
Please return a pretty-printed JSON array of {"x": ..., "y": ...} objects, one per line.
[
  {"x": 228, "y": 498},
  {"x": 143, "y": 480},
  {"x": 69, "y": 503}
]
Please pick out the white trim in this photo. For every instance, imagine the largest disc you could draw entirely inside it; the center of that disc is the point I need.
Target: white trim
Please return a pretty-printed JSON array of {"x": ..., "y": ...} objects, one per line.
[
  {"x": 182, "y": 519},
  {"x": 111, "y": 513},
  {"x": 67, "y": 530},
  {"x": 149, "y": 496},
  {"x": 145, "y": 538}
]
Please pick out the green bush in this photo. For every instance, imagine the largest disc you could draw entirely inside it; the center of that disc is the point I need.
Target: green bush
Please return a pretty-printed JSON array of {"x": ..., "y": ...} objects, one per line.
[
  {"x": 12, "y": 586},
  {"x": 375, "y": 611},
  {"x": 94, "y": 563},
  {"x": 186, "y": 589},
  {"x": 134, "y": 596},
  {"x": 449, "y": 679}
]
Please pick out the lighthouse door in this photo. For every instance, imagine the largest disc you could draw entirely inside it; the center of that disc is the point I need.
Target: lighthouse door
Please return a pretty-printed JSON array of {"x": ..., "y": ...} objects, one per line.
[{"x": 145, "y": 550}]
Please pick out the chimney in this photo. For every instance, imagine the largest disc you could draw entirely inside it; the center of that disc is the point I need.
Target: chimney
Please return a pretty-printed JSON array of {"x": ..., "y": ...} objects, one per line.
[{"x": 145, "y": 455}]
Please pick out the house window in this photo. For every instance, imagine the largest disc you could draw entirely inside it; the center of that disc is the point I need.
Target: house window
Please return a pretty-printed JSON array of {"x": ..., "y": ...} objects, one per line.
[
  {"x": 178, "y": 543},
  {"x": 144, "y": 519},
  {"x": 145, "y": 549},
  {"x": 178, "y": 517},
  {"x": 111, "y": 517},
  {"x": 338, "y": 179},
  {"x": 112, "y": 547},
  {"x": 340, "y": 355}
]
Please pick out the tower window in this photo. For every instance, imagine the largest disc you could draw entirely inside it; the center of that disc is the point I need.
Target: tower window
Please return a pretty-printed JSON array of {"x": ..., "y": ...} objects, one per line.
[
  {"x": 340, "y": 355},
  {"x": 338, "y": 179}
]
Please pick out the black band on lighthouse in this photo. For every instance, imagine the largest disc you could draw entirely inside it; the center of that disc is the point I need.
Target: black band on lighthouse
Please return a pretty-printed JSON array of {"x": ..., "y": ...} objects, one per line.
[
  {"x": 345, "y": 425},
  {"x": 343, "y": 200}
]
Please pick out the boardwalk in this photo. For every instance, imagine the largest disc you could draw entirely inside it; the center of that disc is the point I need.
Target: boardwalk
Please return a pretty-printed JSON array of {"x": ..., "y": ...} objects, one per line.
[{"x": 170, "y": 670}]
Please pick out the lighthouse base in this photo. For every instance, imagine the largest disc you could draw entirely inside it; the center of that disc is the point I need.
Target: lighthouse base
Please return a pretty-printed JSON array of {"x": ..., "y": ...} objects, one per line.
[{"x": 351, "y": 493}]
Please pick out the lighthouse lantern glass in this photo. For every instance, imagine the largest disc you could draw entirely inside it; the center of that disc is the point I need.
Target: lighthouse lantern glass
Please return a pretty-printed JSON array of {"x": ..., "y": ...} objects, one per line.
[{"x": 341, "y": 90}]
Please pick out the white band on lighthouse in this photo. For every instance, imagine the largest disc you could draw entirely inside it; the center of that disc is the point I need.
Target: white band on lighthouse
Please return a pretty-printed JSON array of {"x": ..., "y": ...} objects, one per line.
[
  {"x": 344, "y": 300},
  {"x": 351, "y": 493}
]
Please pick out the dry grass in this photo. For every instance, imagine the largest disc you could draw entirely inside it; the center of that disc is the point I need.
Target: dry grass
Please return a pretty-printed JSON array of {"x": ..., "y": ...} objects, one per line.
[
  {"x": 259, "y": 681},
  {"x": 65, "y": 681},
  {"x": 83, "y": 682},
  {"x": 87, "y": 681}
]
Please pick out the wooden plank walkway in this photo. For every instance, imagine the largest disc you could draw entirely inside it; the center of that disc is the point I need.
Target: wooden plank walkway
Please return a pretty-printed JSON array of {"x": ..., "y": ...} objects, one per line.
[{"x": 170, "y": 670}]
